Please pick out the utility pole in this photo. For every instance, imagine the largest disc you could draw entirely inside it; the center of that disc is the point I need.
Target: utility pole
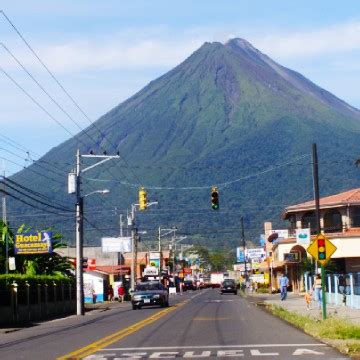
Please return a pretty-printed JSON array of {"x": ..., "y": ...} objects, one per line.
[
  {"x": 244, "y": 245},
  {"x": 79, "y": 228},
  {"x": 133, "y": 241},
  {"x": 121, "y": 234},
  {"x": 79, "y": 242},
  {"x": 318, "y": 226},
  {"x": 174, "y": 250}
]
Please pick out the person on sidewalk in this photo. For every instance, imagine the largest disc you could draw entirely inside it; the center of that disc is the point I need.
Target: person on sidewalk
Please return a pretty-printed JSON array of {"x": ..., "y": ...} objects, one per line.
[
  {"x": 110, "y": 293},
  {"x": 283, "y": 284},
  {"x": 121, "y": 292},
  {"x": 317, "y": 289}
]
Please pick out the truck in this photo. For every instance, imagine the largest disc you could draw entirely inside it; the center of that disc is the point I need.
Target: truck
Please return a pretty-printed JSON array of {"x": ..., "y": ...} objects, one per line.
[{"x": 216, "y": 279}]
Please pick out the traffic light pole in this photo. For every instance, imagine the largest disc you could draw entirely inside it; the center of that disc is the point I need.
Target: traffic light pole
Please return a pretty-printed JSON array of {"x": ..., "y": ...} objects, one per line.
[{"x": 318, "y": 227}]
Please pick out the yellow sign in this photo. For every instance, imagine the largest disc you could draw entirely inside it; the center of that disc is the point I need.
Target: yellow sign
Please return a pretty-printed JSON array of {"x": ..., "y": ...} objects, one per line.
[{"x": 321, "y": 249}]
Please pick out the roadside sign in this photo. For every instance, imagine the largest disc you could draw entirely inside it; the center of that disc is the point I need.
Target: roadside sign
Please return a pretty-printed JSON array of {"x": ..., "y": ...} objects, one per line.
[{"x": 321, "y": 249}]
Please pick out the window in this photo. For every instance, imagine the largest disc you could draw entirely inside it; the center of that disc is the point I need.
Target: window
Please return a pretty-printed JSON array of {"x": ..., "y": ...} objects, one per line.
[
  {"x": 332, "y": 221},
  {"x": 309, "y": 221},
  {"x": 355, "y": 217}
]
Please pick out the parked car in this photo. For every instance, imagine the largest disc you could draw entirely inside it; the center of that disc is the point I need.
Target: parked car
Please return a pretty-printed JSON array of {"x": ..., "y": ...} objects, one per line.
[
  {"x": 228, "y": 286},
  {"x": 148, "y": 294}
]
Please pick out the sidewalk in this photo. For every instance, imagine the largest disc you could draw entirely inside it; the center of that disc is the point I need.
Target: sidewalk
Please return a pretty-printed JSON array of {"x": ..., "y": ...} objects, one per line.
[
  {"x": 90, "y": 309},
  {"x": 296, "y": 303}
]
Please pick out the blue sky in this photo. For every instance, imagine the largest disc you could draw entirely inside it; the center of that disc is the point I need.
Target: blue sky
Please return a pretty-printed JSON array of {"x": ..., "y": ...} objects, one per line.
[{"x": 105, "y": 51}]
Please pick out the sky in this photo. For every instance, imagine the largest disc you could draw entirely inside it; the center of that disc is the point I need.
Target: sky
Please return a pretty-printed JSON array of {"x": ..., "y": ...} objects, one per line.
[{"x": 102, "y": 52}]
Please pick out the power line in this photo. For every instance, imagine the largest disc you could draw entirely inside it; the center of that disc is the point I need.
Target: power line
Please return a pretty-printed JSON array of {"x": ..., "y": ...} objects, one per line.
[
  {"x": 221, "y": 185},
  {"x": 37, "y": 200},
  {"x": 31, "y": 170},
  {"x": 26, "y": 203},
  {"x": 63, "y": 207},
  {"x": 64, "y": 90},
  {"x": 44, "y": 90}
]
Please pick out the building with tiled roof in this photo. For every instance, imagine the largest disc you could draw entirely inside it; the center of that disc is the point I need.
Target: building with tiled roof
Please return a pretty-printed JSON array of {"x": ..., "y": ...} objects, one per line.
[{"x": 339, "y": 222}]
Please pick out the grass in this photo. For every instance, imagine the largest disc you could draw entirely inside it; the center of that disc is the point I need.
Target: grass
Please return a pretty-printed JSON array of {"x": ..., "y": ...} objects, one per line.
[{"x": 335, "y": 331}]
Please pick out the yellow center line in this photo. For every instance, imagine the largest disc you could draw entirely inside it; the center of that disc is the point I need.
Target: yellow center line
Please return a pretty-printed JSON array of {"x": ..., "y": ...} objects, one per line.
[{"x": 110, "y": 339}]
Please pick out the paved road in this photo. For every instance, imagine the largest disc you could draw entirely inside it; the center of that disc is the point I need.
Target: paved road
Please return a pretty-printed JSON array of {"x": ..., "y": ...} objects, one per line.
[{"x": 199, "y": 325}]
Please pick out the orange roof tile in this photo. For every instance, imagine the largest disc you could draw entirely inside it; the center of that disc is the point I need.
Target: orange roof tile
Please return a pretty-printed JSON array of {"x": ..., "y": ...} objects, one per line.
[{"x": 350, "y": 197}]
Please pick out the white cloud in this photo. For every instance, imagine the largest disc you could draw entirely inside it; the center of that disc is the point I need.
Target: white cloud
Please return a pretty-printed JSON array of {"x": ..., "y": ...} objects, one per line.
[
  {"x": 334, "y": 39},
  {"x": 157, "y": 47}
]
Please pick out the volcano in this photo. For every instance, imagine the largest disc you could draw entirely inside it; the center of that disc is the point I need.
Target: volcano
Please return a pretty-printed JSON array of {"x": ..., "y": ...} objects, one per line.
[{"x": 228, "y": 116}]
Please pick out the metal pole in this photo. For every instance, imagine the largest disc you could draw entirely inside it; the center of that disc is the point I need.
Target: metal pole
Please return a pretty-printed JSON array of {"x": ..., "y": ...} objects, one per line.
[
  {"x": 121, "y": 234},
  {"x": 132, "y": 247},
  {"x": 160, "y": 255},
  {"x": 318, "y": 227},
  {"x": 79, "y": 238},
  {"x": 244, "y": 245},
  {"x": 159, "y": 238},
  {"x": 5, "y": 227},
  {"x": 316, "y": 189}
]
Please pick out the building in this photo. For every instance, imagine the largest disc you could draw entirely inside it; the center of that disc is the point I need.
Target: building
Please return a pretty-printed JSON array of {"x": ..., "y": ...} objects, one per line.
[{"x": 340, "y": 223}]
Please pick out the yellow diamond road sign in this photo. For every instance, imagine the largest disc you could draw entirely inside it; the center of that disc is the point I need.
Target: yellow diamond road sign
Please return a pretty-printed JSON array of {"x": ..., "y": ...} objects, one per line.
[{"x": 321, "y": 249}]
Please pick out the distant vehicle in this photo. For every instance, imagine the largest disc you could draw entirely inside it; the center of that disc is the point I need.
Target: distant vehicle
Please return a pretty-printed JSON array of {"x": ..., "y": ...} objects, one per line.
[
  {"x": 188, "y": 285},
  {"x": 216, "y": 279},
  {"x": 207, "y": 282},
  {"x": 148, "y": 294},
  {"x": 228, "y": 286}
]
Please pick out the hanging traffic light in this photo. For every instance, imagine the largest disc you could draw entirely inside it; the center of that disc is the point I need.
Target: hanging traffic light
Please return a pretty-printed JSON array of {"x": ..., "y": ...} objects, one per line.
[
  {"x": 214, "y": 198},
  {"x": 142, "y": 199},
  {"x": 321, "y": 249}
]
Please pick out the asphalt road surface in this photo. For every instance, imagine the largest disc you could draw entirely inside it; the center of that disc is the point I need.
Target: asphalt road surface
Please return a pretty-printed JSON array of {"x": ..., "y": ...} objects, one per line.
[{"x": 198, "y": 325}]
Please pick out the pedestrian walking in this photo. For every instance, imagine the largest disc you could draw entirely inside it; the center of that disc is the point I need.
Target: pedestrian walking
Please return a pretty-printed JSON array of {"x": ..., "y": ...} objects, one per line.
[
  {"x": 121, "y": 292},
  {"x": 283, "y": 284},
  {"x": 110, "y": 293},
  {"x": 317, "y": 288}
]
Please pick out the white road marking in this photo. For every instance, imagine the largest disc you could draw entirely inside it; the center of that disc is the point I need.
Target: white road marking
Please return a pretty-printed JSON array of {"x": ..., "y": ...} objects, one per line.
[
  {"x": 256, "y": 352},
  {"x": 218, "y": 301},
  {"x": 211, "y": 347},
  {"x": 230, "y": 353},
  {"x": 306, "y": 352},
  {"x": 164, "y": 355},
  {"x": 191, "y": 354}
]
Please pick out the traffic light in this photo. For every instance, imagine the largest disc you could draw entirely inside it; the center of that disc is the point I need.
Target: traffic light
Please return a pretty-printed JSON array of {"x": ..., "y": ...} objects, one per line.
[
  {"x": 214, "y": 198},
  {"x": 142, "y": 199},
  {"x": 321, "y": 249}
]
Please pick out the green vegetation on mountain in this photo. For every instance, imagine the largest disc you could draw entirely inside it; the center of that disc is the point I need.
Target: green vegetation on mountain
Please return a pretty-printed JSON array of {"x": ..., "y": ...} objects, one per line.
[{"x": 227, "y": 116}]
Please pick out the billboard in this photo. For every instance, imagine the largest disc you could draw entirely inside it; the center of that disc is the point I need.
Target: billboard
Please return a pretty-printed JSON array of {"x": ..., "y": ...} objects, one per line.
[
  {"x": 256, "y": 253},
  {"x": 116, "y": 244},
  {"x": 240, "y": 255},
  {"x": 33, "y": 243}
]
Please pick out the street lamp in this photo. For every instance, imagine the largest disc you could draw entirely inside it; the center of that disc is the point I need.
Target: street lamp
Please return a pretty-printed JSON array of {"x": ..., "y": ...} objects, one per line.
[{"x": 79, "y": 231}]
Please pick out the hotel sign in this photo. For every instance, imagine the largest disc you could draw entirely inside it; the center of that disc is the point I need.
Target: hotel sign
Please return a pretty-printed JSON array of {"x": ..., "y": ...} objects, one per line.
[{"x": 33, "y": 243}]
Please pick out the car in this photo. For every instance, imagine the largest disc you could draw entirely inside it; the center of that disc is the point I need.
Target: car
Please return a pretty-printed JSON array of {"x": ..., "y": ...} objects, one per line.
[
  {"x": 148, "y": 294},
  {"x": 228, "y": 286},
  {"x": 188, "y": 285}
]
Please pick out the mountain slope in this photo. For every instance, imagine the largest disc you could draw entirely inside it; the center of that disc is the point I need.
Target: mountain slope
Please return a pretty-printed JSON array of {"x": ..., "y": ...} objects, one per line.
[{"x": 228, "y": 112}]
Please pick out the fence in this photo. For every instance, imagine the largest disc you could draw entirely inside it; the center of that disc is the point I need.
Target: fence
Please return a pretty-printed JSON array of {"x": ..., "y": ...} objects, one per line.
[
  {"x": 21, "y": 304},
  {"x": 341, "y": 289}
]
